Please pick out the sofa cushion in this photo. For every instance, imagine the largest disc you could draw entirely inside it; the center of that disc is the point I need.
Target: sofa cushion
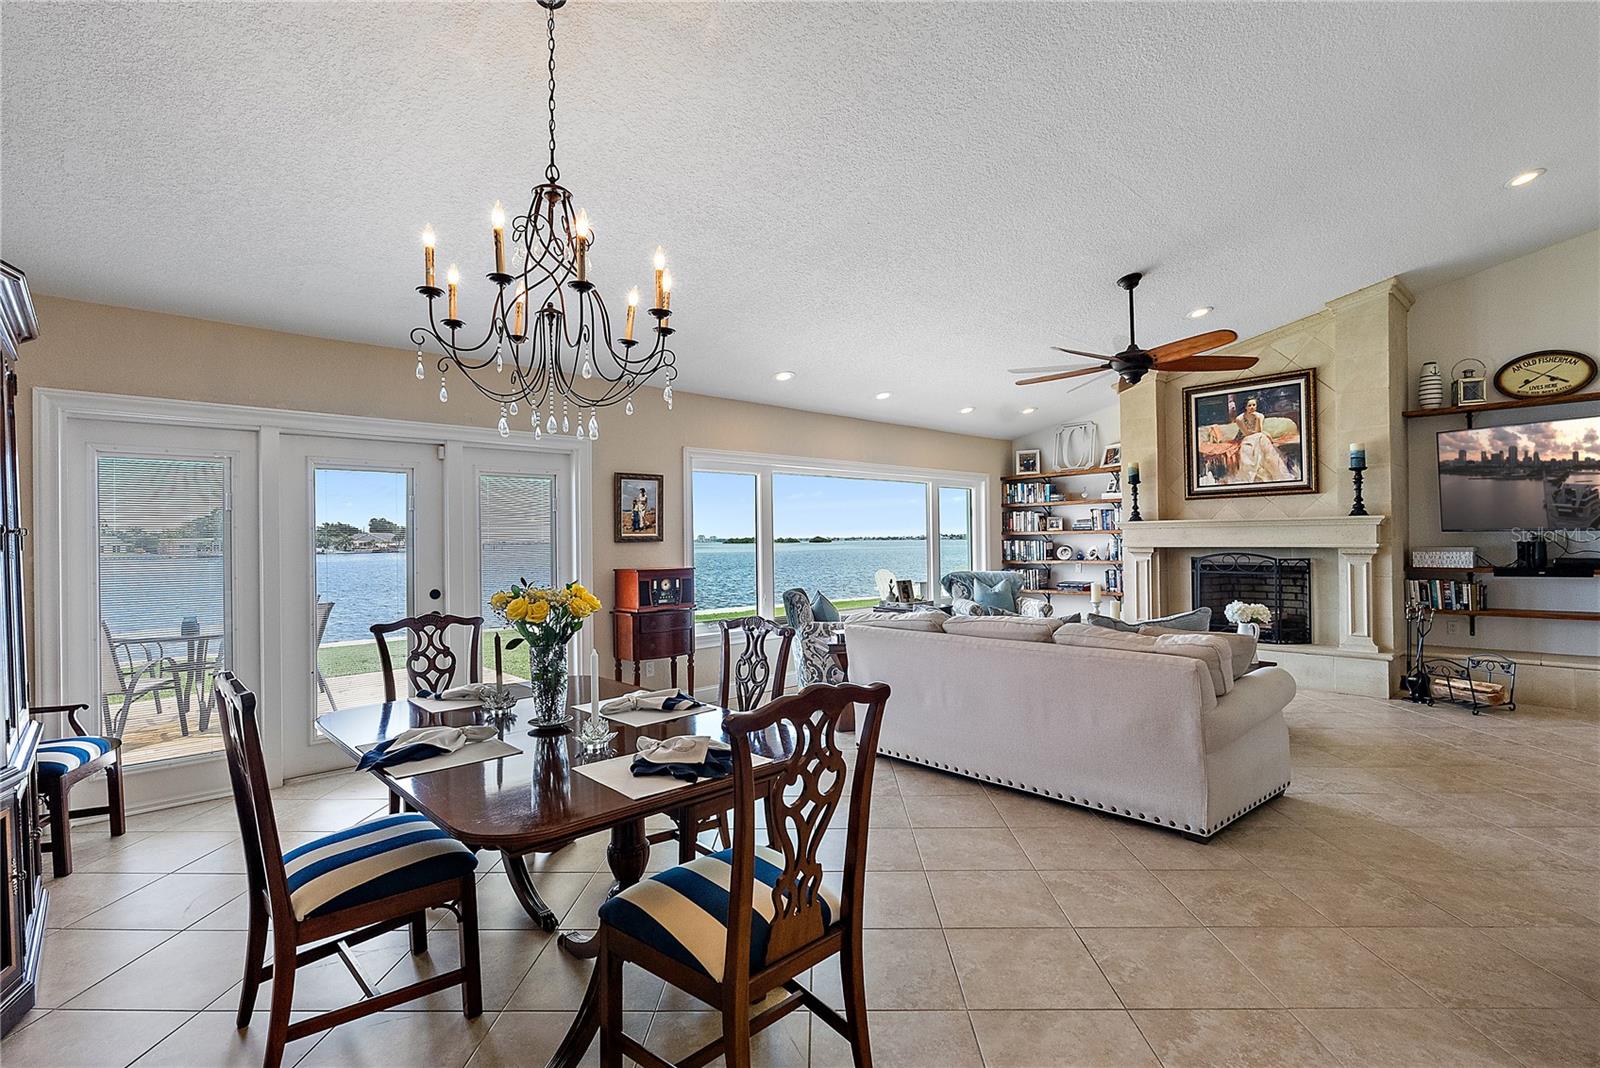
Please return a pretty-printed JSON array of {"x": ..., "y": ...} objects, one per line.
[
  {"x": 1004, "y": 628},
  {"x": 1213, "y": 652},
  {"x": 1001, "y": 595},
  {"x": 1197, "y": 619},
  {"x": 1086, "y": 635},
  {"x": 929, "y": 620},
  {"x": 1243, "y": 645}
]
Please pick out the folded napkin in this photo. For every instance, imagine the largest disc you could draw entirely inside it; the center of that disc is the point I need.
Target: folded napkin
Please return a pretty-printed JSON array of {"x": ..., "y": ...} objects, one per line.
[
  {"x": 663, "y": 700},
  {"x": 686, "y": 757},
  {"x": 419, "y": 743}
]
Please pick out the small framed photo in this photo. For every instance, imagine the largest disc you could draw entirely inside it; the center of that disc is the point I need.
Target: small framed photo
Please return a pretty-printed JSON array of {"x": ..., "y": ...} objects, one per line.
[
  {"x": 1113, "y": 455},
  {"x": 638, "y": 503},
  {"x": 1028, "y": 462},
  {"x": 1054, "y": 524}
]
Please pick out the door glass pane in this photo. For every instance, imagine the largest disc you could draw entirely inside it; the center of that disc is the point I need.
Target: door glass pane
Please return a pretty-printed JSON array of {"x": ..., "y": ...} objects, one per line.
[
  {"x": 363, "y": 576},
  {"x": 955, "y": 530},
  {"x": 835, "y": 534},
  {"x": 724, "y": 545},
  {"x": 516, "y": 543},
  {"x": 162, "y": 569}
]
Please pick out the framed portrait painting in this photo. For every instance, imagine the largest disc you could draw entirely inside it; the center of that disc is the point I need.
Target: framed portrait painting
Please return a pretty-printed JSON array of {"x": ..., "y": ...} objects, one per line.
[
  {"x": 1252, "y": 437},
  {"x": 638, "y": 516}
]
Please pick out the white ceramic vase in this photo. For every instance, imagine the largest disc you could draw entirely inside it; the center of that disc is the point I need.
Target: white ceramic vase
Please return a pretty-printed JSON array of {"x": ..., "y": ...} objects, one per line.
[
  {"x": 1430, "y": 387},
  {"x": 1252, "y": 629}
]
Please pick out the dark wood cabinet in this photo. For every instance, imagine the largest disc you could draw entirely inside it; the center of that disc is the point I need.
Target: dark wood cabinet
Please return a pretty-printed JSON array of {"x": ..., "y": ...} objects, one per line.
[
  {"x": 653, "y": 618},
  {"x": 22, "y": 893}
]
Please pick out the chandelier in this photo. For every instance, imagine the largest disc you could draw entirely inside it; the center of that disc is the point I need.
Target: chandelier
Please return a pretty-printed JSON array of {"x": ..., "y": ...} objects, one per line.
[{"x": 549, "y": 335}]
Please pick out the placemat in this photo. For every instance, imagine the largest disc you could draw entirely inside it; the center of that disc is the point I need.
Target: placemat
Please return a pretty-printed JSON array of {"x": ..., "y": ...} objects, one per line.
[
  {"x": 617, "y": 773},
  {"x": 644, "y": 717},
  {"x": 471, "y": 753},
  {"x": 435, "y": 704}
]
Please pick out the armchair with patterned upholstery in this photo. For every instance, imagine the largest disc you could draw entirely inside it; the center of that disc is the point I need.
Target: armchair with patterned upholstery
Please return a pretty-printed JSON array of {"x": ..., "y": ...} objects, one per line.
[
  {"x": 817, "y": 662},
  {"x": 959, "y": 585}
]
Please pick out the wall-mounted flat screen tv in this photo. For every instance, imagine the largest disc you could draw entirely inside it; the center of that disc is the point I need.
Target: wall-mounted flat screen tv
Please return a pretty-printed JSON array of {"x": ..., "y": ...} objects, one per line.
[{"x": 1531, "y": 476}]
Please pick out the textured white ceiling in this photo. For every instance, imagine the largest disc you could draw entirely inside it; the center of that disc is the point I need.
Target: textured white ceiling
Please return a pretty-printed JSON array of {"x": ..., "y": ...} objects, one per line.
[{"x": 903, "y": 197}]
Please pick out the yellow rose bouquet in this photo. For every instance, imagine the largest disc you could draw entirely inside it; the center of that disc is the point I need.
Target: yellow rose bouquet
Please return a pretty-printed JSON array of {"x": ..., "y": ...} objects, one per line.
[{"x": 546, "y": 618}]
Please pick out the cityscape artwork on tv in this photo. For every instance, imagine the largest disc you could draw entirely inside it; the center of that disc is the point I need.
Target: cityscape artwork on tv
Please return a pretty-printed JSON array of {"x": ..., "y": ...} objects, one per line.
[{"x": 1532, "y": 476}]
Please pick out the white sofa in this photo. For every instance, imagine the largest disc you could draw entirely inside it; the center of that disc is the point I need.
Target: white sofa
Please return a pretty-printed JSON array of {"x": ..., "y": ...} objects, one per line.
[{"x": 1139, "y": 734}]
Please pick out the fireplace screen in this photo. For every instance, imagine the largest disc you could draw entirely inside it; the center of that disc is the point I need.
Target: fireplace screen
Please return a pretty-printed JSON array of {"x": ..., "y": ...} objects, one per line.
[{"x": 1284, "y": 586}]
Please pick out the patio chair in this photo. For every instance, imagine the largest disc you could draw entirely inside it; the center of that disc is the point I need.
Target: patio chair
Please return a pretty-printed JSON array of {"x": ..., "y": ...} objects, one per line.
[
  {"x": 324, "y": 610},
  {"x": 147, "y": 673}
]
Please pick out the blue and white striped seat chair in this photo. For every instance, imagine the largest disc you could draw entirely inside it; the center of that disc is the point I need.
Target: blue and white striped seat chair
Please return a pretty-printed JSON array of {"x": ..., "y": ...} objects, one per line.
[
  {"x": 64, "y": 762},
  {"x": 61, "y": 755},
  {"x": 370, "y": 861},
  {"x": 683, "y": 911}
]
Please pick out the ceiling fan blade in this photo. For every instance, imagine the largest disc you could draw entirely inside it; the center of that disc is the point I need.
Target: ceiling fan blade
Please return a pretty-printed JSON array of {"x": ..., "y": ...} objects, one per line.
[
  {"x": 1042, "y": 369},
  {"x": 1190, "y": 346},
  {"x": 1060, "y": 375},
  {"x": 1078, "y": 352},
  {"x": 1209, "y": 363}
]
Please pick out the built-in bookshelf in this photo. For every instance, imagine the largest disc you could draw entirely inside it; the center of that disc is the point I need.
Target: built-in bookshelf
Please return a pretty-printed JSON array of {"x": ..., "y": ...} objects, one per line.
[{"x": 1088, "y": 521}]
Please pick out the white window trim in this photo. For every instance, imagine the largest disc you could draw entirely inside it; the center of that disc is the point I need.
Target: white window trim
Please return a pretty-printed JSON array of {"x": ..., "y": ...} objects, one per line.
[
  {"x": 55, "y": 409},
  {"x": 765, "y": 465}
]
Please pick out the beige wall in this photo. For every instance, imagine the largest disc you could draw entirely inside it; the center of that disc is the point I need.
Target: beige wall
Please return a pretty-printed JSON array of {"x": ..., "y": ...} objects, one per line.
[
  {"x": 116, "y": 350},
  {"x": 1549, "y": 299}
]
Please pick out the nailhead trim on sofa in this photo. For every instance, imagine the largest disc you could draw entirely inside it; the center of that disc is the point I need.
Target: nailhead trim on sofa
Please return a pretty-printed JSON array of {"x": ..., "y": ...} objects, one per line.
[{"x": 1084, "y": 802}]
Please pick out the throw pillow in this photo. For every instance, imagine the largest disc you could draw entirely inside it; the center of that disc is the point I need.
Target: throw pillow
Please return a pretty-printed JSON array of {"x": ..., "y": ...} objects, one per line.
[
  {"x": 1001, "y": 595},
  {"x": 1198, "y": 619},
  {"x": 1005, "y": 628},
  {"x": 1242, "y": 645},
  {"x": 822, "y": 609},
  {"x": 963, "y": 606},
  {"x": 1214, "y": 652}
]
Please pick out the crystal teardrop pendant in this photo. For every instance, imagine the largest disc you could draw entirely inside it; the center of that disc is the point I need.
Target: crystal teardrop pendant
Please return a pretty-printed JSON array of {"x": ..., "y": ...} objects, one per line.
[
  {"x": 502, "y": 426},
  {"x": 421, "y": 374},
  {"x": 499, "y": 361},
  {"x": 594, "y": 426},
  {"x": 550, "y": 424},
  {"x": 580, "y": 434},
  {"x": 513, "y": 408},
  {"x": 629, "y": 409},
  {"x": 566, "y": 427},
  {"x": 444, "y": 394},
  {"x": 538, "y": 435},
  {"x": 588, "y": 367},
  {"x": 666, "y": 395}
]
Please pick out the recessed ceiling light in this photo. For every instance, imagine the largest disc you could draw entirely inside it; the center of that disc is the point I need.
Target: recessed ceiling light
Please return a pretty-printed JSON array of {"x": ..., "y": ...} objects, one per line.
[
  {"x": 1201, "y": 313},
  {"x": 967, "y": 410},
  {"x": 883, "y": 396},
  {"x": 1524, "y": 178},
  {"x": 1029, "y": 411},
  {"x": 784, "y": 376}
]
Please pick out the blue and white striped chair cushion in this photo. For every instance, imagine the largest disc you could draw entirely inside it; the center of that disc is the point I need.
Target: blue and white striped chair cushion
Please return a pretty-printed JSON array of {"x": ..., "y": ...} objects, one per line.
[
  {"x": 683, "y": 911},
  {"x": 375, "y": 859},
  {"x": 61, "y": 755}
]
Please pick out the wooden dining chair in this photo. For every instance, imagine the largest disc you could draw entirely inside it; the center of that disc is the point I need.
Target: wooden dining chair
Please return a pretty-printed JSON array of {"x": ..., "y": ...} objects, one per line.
[
  {"x": 338, "y": 891},
  {"x": 733, "y": 927},
  {"x": 756, "y": 676},
  {"x": 430, "y": 662},
  {"x": 62, "y": 764}
]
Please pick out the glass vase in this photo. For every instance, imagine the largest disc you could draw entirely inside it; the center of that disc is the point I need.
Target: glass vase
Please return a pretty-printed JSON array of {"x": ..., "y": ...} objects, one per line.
[{"x": 547, "y": 673}]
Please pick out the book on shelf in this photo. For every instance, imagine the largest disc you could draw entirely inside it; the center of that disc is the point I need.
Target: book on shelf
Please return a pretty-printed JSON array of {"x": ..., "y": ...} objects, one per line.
[{"x": 1449, "y": 595}]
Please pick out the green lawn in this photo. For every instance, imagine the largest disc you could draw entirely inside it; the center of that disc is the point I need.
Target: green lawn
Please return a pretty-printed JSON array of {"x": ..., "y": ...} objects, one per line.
[
  {"x": 735, "y": 613},
  {"x": 362, "y": 658}
]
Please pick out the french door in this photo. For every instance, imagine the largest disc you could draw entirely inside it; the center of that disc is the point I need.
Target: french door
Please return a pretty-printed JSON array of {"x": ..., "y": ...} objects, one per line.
[{"x": 375, "y": 531}]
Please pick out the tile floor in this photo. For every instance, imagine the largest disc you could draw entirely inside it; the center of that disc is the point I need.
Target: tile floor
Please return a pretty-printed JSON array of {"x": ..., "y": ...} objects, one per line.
[{"x": 1428, "y": 893}]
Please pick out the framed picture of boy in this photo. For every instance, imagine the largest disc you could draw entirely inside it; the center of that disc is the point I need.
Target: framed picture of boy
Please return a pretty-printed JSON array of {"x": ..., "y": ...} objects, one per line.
[
  {"x": 638, "y": 516},
  {"x": 1252, "y": 437}
]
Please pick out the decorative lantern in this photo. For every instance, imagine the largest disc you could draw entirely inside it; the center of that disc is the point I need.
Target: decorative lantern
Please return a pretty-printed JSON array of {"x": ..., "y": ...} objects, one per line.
[{"x": 1470, "y": 387}]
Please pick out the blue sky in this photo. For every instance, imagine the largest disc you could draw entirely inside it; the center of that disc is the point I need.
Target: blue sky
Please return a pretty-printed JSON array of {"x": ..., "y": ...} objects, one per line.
[
  {"x": 354, "y": 497},
  {"x": 805, "y": 505}
]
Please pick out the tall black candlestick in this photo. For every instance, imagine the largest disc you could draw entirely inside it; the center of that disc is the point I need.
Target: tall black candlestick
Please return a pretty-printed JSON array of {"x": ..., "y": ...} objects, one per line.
[
  {"x": 1133, "y": 486},
  {"x": 1358, "y": 508}
]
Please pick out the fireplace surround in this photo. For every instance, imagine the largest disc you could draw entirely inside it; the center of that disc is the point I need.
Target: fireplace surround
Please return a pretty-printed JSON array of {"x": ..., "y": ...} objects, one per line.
[{"x": 1282, "y": 584}]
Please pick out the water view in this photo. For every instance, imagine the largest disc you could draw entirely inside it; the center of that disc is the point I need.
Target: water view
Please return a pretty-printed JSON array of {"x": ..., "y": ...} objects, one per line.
[{"x": 725, "y": 574}]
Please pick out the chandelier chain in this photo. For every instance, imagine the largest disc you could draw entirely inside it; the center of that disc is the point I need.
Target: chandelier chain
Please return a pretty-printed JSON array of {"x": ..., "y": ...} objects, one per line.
[{"x": 552, "y": 172}]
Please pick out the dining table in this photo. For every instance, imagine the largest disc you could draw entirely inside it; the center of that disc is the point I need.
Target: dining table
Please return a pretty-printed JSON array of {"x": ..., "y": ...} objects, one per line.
[{"x": 537, "y": 801}]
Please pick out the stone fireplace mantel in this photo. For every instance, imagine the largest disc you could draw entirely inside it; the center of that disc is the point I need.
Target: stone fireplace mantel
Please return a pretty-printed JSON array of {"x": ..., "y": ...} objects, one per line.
[{"x": 1354, "y": 538}]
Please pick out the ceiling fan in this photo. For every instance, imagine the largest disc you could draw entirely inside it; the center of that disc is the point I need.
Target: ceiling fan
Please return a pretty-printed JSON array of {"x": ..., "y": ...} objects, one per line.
[{"x": 1133, "y": 362}]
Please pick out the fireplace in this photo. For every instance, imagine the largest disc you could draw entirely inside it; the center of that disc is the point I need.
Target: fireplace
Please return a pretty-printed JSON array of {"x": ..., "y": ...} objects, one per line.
[{"x": 1283, "y": 585}]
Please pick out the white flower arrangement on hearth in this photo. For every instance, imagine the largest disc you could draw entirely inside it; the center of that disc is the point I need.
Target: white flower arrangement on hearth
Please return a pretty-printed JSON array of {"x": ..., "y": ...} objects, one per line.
[{"x": 1242, "y": 612}]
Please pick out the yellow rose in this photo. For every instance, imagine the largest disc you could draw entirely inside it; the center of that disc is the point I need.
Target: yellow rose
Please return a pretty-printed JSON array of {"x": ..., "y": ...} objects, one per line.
[
  {"x": 538, "y": 612},
  {"x": 579, "y": 609},
  {"x": 516, "y": 609},
  {"x": 594, "y": 602},
  {"x": 499, "y": 601}
]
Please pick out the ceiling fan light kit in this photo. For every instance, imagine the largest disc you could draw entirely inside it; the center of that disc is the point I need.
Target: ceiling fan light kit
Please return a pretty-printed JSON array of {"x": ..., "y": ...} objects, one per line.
[{"x": 1134, "y": 362}]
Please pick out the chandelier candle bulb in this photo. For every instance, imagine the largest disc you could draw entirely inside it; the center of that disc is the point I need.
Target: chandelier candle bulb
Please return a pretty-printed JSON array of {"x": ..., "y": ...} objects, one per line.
[
  {"x": 429, "y": 240},
  {"x": 661, "y": 270},
  {"x": 453, "y": 278},
  {"x": 633, "y": 306},
  {"x": 519, "y": 312},
  {"x": 666, "y": 290},
  {"x": 497, "y": 218},
  {"x": 580, "y": 247}
]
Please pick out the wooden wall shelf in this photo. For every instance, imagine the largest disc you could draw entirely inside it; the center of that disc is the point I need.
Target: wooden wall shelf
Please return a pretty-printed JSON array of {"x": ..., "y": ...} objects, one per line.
[
  {"x": 1469, "y": 410},
  {"x": 1063, "y": 503},
  {"x": 1520, "y": 613},
  {"x": 1045, "y": 476}
]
